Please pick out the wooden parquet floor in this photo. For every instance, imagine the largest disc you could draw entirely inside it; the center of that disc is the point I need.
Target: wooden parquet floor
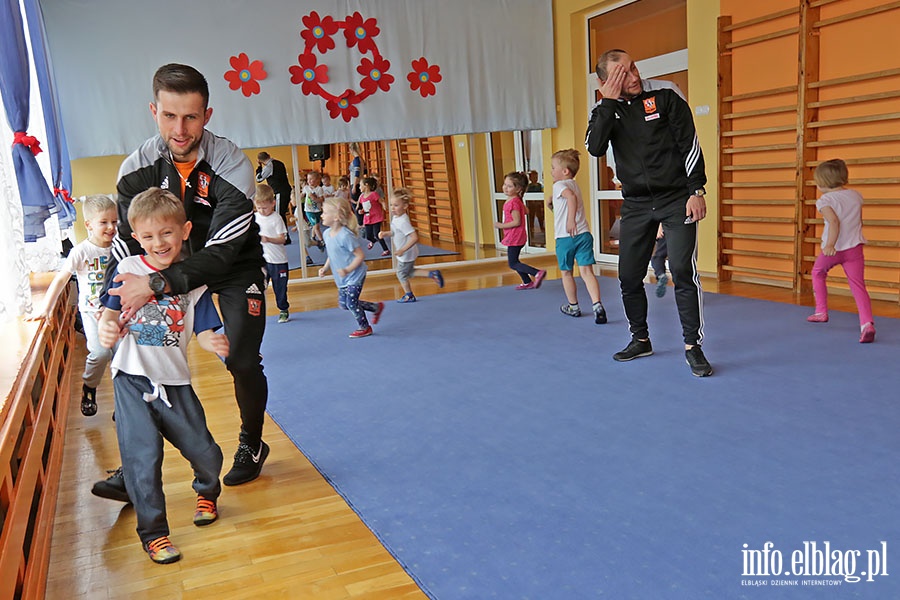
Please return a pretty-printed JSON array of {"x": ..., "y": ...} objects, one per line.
[{"x": 285, "y": 535}]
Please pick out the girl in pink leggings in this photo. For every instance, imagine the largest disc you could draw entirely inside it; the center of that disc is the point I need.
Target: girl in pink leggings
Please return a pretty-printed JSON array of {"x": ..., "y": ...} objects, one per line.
[{"x": 842, "y": 244}]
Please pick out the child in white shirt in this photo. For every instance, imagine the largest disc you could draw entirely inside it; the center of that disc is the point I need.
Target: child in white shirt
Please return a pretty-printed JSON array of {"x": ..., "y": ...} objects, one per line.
[{"x": 406, "y": 245}]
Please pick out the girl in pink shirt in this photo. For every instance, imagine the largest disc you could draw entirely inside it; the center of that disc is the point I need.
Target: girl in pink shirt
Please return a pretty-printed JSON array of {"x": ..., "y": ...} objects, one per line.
[
  {"x": 513, "y": 228},
  {"x": 370, "y": 206},
  {"x": 842, "y": 244}
]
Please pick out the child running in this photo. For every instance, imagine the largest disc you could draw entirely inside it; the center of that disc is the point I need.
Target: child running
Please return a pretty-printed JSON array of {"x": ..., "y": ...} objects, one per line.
[
  {"x": 347, "y": 261},
  {"x": 88, "y": 261},
  {"x": 842, "y": 244},
  {"x": 312, "y": 205},
  {"x": 513, "y": 228},
  {"x": 406, "y": 245},
  {"x": 370, "y": 206},
  {"x": 273, "y": 235},
  {"x": 151, "y": 377},
  {"x": 574, "y": 241}
]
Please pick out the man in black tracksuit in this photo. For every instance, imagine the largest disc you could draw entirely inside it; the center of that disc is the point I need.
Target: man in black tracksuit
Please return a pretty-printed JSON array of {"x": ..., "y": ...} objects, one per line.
[
  {"x": 660, "y": 164},
  {"x": 274, "y": 173},
  {"x": 216, "y": 182}
]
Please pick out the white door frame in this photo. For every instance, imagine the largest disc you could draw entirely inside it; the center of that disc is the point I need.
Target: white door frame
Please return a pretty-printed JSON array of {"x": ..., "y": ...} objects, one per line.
[{"x": 495, "y": 195}]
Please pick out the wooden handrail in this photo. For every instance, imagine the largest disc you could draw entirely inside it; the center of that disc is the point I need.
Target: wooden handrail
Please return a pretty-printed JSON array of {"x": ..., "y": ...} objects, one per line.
[{"x": 32, "y": 433}]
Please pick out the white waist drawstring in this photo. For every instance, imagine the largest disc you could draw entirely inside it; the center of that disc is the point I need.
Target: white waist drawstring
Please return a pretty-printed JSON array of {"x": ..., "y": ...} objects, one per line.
[{"x": 159, "y": 391}]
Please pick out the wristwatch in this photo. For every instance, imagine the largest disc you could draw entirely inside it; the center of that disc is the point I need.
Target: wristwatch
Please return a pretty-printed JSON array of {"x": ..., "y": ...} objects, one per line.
[
  {"x": 157, "y": 283},
  {"x": 700, "y": 191}
]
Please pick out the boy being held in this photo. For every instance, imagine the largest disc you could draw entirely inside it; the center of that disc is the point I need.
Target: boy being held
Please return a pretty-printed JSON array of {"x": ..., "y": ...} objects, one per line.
[
  {"x": 406, "y": 245},
  {"x": 574, "y": 241},
  {"x": 151, "y": 378},
  {"x": 273, "y": 235},
  {"x": 88, "y": 261}
]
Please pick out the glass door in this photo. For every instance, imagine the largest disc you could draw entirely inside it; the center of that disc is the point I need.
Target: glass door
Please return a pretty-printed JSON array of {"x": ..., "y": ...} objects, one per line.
[
  {"x": 664, "y": 56},
  {"x": 519, "y": 151}
]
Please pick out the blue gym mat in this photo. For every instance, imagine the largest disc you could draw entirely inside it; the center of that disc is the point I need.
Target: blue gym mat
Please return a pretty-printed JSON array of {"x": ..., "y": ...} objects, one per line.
[{"x": 497, "y": 450}]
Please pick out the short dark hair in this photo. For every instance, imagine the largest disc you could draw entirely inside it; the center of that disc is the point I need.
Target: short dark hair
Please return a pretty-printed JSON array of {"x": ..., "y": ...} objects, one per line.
[
  {"x": 610, "y": 55},
  {"x": 180, "y": 79},
  {"x": 518, "y": 179}
]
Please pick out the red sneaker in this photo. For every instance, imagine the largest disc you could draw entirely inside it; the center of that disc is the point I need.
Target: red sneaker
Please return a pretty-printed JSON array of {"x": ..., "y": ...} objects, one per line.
[
  {"x": 361, "y": 333},
  {"x": 376, "y": 316}
]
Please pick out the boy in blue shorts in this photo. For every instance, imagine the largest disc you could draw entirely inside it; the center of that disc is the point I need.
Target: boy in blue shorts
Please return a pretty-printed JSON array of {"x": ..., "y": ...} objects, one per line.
[{"x": 574, "y": 242}]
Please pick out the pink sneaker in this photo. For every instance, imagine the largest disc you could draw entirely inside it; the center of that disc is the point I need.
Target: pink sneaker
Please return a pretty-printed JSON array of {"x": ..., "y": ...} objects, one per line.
[
  {"x": 539, "y": 278},
  {"x": 867, "y": 335},
  {"x": 818, "y": 318},
  {"x": 526, "y": 286}
]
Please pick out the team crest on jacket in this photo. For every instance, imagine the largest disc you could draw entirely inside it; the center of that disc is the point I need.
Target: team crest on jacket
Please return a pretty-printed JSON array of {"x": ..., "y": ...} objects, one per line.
[
  {"x": 650, "y": 105},
  {"x": 202, "y": 184},
  {"x": 254, "y": 306}
]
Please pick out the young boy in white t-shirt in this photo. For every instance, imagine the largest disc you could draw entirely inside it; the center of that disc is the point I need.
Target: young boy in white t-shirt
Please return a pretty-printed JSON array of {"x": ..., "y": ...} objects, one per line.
[
  {"x": 272, "y": 235},
  {"x": 406, "y": 245},
  {"x": 574, "y": 242},
  {"x": 88, "y": 261}
]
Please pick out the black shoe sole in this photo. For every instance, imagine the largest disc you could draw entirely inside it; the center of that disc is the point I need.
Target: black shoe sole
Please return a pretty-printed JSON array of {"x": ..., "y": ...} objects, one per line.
[
  {"x": 696, "y": 374},
  {"x": 600, "y": 320},
  {"x": 618, "y": 358}
]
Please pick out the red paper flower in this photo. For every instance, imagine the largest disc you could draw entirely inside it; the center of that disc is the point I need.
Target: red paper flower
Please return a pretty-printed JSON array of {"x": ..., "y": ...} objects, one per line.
[
  {"x": 309, "y": 74},
  {"x": 375, "y": 75},
  {"x": 361, "y": 32},
  {"x": 245, "y": 75},
  {"x": 318, "y": 31},
  {"x": 423, "y": 77},
  {"x": 344, "y": 105}
]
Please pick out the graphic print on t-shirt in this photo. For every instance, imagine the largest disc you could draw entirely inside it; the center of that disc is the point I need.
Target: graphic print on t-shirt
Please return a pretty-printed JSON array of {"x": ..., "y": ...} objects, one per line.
[{"x": 159, "y": 323}]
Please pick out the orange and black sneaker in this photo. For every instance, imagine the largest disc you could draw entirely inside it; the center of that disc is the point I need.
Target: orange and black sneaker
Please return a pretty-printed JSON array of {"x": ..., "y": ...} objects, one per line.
[
  {"x": 206, "y": 512},
  {"x": 162, "y": 551}
]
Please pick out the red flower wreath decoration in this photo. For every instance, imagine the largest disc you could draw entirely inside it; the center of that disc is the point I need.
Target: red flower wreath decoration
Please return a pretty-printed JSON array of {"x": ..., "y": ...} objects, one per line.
[
  {"x": 245, "y": 75},
  {"x": 318, "y": 36},
  {"x": 423, "y": 77}
]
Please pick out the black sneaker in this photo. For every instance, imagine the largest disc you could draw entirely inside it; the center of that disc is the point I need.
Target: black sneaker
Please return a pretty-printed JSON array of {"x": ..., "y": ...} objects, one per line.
[
  {"x": 247, "y": 464},
  {"x": 112, "y": 488},
  {"x": 88, "y": 401},
  {"x": 700, "y": 367},
  {"x": 634, "y": 349},
  {"x": 599, "y": 314}
]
